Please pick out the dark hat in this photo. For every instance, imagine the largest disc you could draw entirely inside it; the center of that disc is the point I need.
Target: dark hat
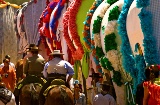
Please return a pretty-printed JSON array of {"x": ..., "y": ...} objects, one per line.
[
  {"x": 105, "y": 83},
  {"x": 31, "y": 45},
  {"x": 35, "y": 48},
  {"x": 56, "y": 52},
  {"x": 95, "y": 75},
  {"x": 8, "y": 56}
]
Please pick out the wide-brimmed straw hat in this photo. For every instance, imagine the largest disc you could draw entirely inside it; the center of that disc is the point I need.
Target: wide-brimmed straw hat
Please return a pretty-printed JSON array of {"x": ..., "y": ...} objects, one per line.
[
  {"x": 56, "y": 52},
  {"x": 105, "y": 83},
  {"x": 95, "y": 75},
  {"x": 35, "y": 48}
]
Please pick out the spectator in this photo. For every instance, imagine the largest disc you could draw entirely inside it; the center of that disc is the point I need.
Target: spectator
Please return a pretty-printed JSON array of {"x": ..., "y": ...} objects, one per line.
[
  {"x": 152, "y": 86},
  {"x": 6, "y": 96},
  {"x": 10, "y": 63},
  {"x": 79, "y": 97},
  {"x": 8, "y": 75},
  {"x": 104, "y": 98}
]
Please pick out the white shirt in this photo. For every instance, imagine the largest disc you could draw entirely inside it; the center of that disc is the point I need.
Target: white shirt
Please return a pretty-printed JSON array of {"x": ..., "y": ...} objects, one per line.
[
  {"x": 107, "y": 99},
  {"x": 10, "y": 63},
  {"x": 57, "y": 65},
  {"x": 12, "y": 101}
]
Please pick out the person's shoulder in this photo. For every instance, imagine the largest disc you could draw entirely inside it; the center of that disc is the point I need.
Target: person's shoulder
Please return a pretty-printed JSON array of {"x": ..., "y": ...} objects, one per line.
[
  {"x": 39, "y": 55},
  {"x": 66, "y": 62},
  {"x": 110, "y": 96},
  {"x": 98, "y": 95},
  {"x": 12, "y": 64}
]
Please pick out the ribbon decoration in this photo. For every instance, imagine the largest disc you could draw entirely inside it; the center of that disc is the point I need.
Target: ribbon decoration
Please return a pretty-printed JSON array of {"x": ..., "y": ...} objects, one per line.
[
  {"x": 9, "y": 4},
  {"x": 130, "y": 96}
]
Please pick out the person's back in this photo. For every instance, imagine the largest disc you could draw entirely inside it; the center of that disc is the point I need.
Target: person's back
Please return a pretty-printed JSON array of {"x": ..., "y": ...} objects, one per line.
[
  {"x": 104, "y": 98},
  {"x": 99, "y": 99},
  {"x": 57, "y": 65},
  {"x": 35, "y": 64}
]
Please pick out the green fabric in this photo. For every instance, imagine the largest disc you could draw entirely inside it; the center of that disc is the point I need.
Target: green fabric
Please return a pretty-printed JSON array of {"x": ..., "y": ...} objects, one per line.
[
  {"x": 54, "y": 83},
  {"x": 81, "y": 16}
]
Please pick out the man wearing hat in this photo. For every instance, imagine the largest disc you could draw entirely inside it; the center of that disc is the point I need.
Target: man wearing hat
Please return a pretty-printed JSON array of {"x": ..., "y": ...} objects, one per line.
[
  {"x": 29, "y": 54},
  {"x": 104, "y": 97},
  {"x": 34, "y": 66},
  {"x": 96, "y": 81},
  {"x": 56, "y": 69}
]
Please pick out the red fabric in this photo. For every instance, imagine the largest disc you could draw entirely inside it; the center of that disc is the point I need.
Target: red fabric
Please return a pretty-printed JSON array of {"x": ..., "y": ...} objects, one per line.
[
  {"x": 35, "y": 1},
  {"x": 3, "y": 2},
  {"x": 154, "y": 91}
]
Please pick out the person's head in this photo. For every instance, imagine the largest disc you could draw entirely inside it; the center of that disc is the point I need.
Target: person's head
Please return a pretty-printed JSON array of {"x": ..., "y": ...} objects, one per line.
[
  {"x": 31, "y": 45},
  {"x": 95, "y": 76},
  {"x": 29, "y": 48},
  {"x": 77, "y": 86},
  {"x": 152, "y": 72},
  {"x": 34, "y": 50},
  {"x": 80, "y": 87},
  {"x": 56, "y": 53},
  {"x": 6, "y": 62},
  {"x": 105, "y": 86},
  {"x": 8, "y": 57}
]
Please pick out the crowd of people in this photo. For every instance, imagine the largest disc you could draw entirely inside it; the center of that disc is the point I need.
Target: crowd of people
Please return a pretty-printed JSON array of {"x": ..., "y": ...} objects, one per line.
[{"x": 57, "y": 68}]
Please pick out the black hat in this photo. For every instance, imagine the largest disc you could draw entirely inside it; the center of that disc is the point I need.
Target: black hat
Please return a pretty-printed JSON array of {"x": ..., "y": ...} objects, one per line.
[
  {"x": 35, "y": 48},
  {"x": 8, "y": 56},
  {"x": 31, "y": 45},
  {"x": 95, "y": 75}
]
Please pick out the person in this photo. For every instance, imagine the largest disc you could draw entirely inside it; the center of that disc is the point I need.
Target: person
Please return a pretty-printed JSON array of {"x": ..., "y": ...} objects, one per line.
[
  {"x": 29, "y": 53},
  {"x": 32, "y": 70},
  {"x": 19, "y": 70},
  {"x": 56, "y": 69},
  {"x": 10, "y": 63},
  {"x": 8, "y": 75},
  {"x": 96, "y": 81},
  {"x": 79, "y": 97},
  {"x": 140, "y": 89},
  {"x": 104, "y": 96},
  {"x": 152, "y": 87},
  {"x": 34, "y": 65},
  {"x": 95, "y": 89},
  {"x": 6, "y": 96}
]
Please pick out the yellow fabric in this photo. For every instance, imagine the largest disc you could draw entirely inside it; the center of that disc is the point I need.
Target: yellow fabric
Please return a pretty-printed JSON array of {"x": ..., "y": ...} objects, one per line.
[{"x": 13, "y": 5}]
